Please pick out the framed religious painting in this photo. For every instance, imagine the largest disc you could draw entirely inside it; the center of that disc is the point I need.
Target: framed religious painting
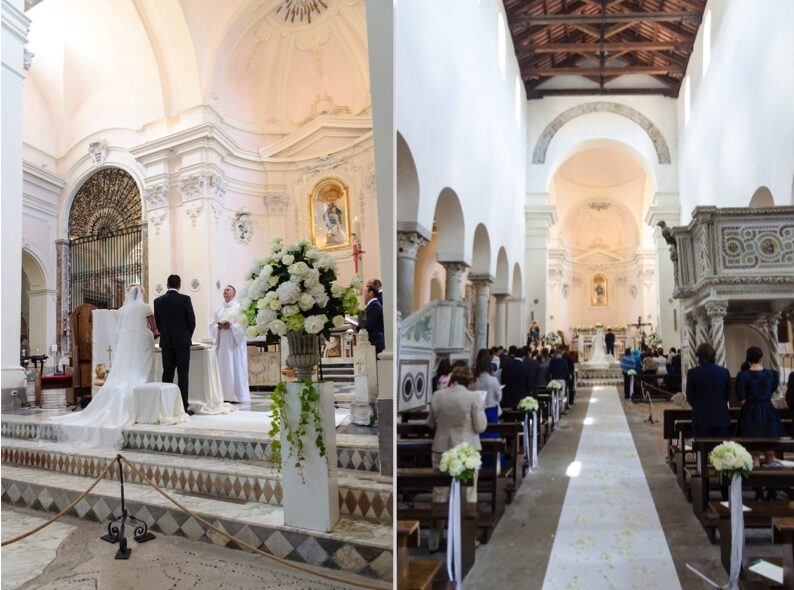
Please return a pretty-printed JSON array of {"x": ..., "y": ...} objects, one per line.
[
  {"x": 599, "y": 287},
  {"x": 329, "y": 215}
]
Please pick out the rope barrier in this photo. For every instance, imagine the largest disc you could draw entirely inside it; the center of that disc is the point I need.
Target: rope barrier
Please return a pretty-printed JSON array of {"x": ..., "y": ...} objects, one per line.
[
  {"x": 99, "y": 478},
  {"x": 240, "y": 542}
]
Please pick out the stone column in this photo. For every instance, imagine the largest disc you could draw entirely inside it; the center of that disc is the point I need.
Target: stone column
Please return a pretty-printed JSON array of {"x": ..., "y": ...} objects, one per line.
[
  {"x": 501, "y": 315},
  {"x": 14, "y": 36},
  {"x": 408, "y": 244},
  {"x": 539, "y": 217},
  {"x": 717, "y": 310},
  {"x": 690, "y": 341},
  {"x": 63, "y": 301},
  {"x": 482, "y": 287},
  {"x": 701, "y": 329},
  {"x": 771, "y": 320},
  {"x": 665, "y": 208},
  {"x": 455, "y": 270}
]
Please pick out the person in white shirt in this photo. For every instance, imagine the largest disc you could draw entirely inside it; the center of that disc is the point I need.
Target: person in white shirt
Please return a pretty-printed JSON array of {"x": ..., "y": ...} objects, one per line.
[{"x": 232, "y": 348}]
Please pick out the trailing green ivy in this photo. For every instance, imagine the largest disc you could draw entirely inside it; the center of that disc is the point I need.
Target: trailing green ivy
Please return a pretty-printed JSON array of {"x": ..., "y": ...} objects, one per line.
[{"x": 309, "y": 400}]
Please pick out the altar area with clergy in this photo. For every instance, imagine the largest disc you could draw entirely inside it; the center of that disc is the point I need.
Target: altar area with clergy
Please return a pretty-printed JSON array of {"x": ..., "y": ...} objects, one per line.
[{"x": 149, "y": 139}]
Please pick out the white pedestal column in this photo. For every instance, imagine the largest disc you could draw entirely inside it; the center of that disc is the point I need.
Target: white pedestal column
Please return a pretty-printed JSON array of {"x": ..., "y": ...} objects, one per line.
[
  {"x": 14, "y": 36},
  {"x": 310, "y": 495}
]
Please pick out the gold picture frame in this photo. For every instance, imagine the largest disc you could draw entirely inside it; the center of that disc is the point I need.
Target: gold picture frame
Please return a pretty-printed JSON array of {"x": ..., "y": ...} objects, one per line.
[
  {"x": 599, "y": 291},
  {"x": 329, "y": 214}
]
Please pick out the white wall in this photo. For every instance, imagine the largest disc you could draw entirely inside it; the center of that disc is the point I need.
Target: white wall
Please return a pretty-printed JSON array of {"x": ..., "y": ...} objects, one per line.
[
  {"x": 456, "y": 111},
  {"x": 740, "y": 134}
]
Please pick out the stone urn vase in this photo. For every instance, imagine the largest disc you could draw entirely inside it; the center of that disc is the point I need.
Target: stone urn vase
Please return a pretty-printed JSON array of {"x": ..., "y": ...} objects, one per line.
[{"x": 304, "y": 353}]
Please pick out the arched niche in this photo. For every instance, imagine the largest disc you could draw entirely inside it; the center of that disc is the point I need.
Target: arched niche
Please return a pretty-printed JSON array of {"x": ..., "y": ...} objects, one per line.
[
  {"x": 449, "y": 227},
  {"x": 481, "y": 252},
  {"x": 502, "y": 282},
  {"x": 37, "y": 304}
]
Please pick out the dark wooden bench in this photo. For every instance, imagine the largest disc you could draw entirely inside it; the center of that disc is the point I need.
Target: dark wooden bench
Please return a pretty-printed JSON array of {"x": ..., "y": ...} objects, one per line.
[
  {"x": 783, "y": 533},
  {"x": 706, "y": 478},
  {"x": 413, "y": 574}
]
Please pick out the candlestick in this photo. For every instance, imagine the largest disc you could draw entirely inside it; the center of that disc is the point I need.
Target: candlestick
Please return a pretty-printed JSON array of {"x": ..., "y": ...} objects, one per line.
[{"x": 357, "y": 228}]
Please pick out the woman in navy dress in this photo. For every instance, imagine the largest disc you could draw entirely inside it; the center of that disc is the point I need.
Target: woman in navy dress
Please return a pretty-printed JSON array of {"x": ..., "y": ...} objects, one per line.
[{"x": 754, "y": 388}]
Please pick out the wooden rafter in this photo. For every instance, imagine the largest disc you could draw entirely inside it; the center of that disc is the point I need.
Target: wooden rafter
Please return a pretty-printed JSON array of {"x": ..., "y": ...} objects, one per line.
[{"x": 615, "y": 17}]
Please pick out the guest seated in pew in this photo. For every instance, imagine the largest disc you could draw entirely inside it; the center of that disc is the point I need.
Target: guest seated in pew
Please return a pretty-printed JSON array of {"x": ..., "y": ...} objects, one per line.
[{"x": 708, "y": 392}]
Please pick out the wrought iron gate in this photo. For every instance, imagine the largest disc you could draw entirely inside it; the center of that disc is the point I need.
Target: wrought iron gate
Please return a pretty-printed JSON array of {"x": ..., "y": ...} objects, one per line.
[{"x": 106, "y": 246}]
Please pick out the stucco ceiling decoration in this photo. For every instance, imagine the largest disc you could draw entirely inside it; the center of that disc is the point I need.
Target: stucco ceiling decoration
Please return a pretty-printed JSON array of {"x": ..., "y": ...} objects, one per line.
[
  {"x": 599, "y": 205},
  {"x": 300, "y": 9},
  {"x": 601, "y": 230}
]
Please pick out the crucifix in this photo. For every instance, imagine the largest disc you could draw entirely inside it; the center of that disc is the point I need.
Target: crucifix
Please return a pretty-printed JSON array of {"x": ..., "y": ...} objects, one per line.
[
  {"x": 639, "y": 323},
  {"x": 357, "y": 253}
]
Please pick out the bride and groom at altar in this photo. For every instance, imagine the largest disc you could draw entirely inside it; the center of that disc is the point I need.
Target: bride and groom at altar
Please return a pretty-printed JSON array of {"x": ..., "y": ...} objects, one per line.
[
  {"x": 602, "y": 355},
  {"x": 137, "y": 325}
]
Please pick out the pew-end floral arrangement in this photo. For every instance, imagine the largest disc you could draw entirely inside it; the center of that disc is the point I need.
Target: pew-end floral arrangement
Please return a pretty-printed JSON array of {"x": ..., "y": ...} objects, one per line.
[
  {"x": 553, "y": 385},
  {"x": 528, "y": 404},
  {"x": 289, "y": 292},
  {"x": 461, "y": 462},
  {"x": 731, "y": 459}
]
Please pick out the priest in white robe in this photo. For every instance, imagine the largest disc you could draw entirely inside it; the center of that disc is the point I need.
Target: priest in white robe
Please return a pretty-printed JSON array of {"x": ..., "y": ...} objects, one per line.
[{"x": 232, "y": 351}]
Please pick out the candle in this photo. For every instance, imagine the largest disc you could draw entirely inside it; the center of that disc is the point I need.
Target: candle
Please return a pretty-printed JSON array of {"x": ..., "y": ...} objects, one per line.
[{"x": 357, "y": 228}]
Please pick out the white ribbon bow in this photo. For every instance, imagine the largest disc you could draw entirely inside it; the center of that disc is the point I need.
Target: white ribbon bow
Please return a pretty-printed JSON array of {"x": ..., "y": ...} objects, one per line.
[{"x": 454, "y": 550}]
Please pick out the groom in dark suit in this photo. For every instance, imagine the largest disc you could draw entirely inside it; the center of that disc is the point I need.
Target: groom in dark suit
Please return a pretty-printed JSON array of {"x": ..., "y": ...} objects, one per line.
[
  {"x": 176, "y": 321},
  {"x": 609, "y": 340}
]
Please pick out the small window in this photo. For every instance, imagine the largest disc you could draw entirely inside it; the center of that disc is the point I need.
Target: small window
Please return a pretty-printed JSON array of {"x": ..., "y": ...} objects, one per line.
[
  {"x": 501, "y": 43},
  {"x": 706, "y": 41}
]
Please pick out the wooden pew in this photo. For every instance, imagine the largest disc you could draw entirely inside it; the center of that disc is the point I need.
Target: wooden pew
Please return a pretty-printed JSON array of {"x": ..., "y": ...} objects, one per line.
[
  {"x": 701, "y": 485},
  {"x": 669, "y": 418},
  {"x": 761, "y": 513},
  {"x": 413, "y": 574},
  {"x": 783, "y": 533},
  {"x": 424, "y": 480},
  {"x": 488, "y": 482}
]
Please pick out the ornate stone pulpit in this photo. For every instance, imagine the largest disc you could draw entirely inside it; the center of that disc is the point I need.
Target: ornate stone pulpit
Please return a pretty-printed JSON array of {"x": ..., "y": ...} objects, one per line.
[{"x": 732, "y": 266}]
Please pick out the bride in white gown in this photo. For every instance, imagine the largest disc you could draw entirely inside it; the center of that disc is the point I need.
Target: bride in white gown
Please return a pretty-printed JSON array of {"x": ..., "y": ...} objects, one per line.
[
  {"x": 599, "y": 357},
  {"x": 102, "y": 422}
]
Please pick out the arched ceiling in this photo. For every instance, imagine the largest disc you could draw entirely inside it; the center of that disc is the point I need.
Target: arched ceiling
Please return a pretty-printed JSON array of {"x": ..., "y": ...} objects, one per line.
[
  {"x": 600, "y": 167},
  {"x": 123, "y": 64}
]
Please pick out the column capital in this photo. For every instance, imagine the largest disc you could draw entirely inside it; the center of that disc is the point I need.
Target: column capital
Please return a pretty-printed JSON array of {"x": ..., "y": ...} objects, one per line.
[
  {"x": 454, "y": 266},
  {"x": 501, "y": 297},
  {"x": 408, "y": 243},
  {"x": 716, "y": 309},
  {"x": 481, "y": 280},
  {"x": 156, "y": 195}
]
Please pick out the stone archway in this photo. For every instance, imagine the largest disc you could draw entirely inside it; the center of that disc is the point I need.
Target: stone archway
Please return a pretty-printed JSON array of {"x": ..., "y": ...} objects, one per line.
[{"x": 653, "y": 132}]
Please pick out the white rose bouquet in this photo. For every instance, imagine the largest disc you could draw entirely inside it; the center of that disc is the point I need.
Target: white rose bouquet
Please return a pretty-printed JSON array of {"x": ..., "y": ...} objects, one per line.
[
  {"x": 553, "y": 385},
  {"x": 631, "y": 372},
  {"x": 528, "y": 404},
  {"x": 293, "y": 289},
  {"x": 551, "y": 339},
  {"x": 732, "y": 459},
  {"x": 653, "y": 340},
  {"x": 461, "y": 462}
]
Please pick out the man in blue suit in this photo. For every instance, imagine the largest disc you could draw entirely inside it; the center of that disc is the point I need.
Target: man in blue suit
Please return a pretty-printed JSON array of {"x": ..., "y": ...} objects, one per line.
[{"x": 708, "y": 391}]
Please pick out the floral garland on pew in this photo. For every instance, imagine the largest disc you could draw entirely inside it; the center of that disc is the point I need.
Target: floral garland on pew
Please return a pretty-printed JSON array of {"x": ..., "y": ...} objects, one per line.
[
  {"x": 462, "y": 463},
  {"x": 732, "y": 460}
]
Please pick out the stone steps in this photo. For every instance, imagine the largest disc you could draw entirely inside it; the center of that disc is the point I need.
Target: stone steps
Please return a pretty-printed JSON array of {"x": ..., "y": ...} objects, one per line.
[
  {"x": 353, "y": 451},
  {"x": 355, "y": 545},
  {"x": 361, "y": 494}
]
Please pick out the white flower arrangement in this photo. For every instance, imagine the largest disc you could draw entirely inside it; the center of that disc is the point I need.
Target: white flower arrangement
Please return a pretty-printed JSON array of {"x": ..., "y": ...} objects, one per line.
[
  {"x": 732, "y": 458},
  {"x": 294, "y": 289},
  {"x": 653, "y": 340},
  {"x": 461, "y": 462},
  {"x": 528, "y": 404},
  {"x": 631, "y": 372},
  {"x": 551, "y": 339},
  {"x": 553, "y": 385}
]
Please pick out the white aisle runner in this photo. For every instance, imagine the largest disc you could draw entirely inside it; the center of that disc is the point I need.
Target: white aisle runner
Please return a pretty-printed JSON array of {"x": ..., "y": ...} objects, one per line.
[{"x": 609, "y": 535}]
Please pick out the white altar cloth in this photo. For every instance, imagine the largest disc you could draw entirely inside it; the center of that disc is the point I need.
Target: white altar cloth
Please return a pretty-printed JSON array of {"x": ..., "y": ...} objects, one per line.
[
  {"x": 158, "y": 403},
  {"x": 205, "y": 395}
]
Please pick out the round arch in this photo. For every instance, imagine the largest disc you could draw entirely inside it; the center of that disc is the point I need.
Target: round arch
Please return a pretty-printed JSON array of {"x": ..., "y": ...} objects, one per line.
[
  {"x": 39, "y": 301},
  {"x": 449, "y": 227},
  {"x": 481, "y": 252},
  {"x": 518, "y": 282},
  {"x": 407, "y": 182},
  {"x": 762, "y": 198},
  {"x": 633, "y": 115},
  {"x": 502, "y": 282}
]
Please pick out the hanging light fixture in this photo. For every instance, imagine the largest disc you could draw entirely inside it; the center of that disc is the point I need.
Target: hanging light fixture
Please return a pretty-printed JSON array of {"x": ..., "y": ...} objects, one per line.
[{"x": 301, "y": 9}]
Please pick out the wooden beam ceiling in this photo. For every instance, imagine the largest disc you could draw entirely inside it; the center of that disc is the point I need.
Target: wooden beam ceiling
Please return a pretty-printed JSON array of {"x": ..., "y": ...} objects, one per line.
[{"x": 602, "y": 40}]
